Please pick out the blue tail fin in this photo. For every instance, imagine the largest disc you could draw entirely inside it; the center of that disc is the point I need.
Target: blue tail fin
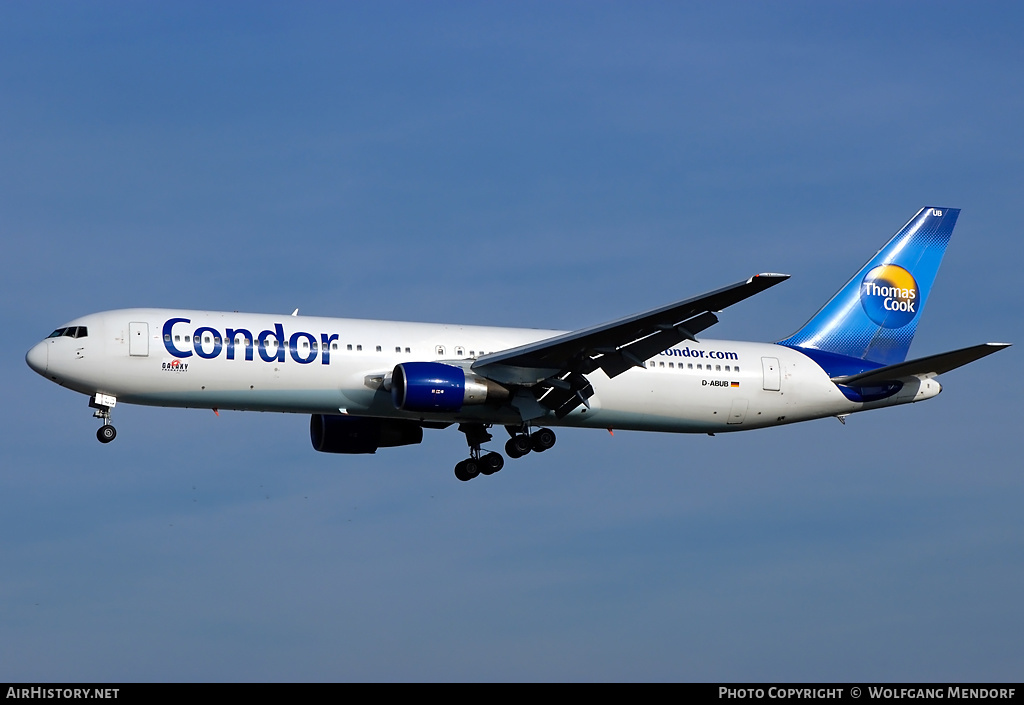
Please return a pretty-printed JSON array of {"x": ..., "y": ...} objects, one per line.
[{"x": 873, "y": 318}]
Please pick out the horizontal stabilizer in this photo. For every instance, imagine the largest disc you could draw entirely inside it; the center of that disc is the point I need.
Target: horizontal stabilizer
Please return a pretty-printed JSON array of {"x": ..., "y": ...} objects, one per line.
[{"x": 923, "y": 367}]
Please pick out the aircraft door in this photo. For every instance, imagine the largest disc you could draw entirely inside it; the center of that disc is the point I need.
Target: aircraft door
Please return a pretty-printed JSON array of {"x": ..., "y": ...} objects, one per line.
[
  {"x": 738, "y": 412},
  {"x": 772, "y": 375},
  {"x": 138, "y": 339}
]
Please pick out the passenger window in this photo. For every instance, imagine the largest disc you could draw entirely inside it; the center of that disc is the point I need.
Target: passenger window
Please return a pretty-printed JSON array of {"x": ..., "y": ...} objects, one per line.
[
  {"x": 726, "y": 368},
  {"x": 718, "y": 368},
  {"x": 661, "y": 364},
  {"x": 699, "y": 367},
  {"x": 736, "y": 369},
  {"x": 378, "y": 348},
  {"x": 439, "y": 350},
  {"x": 187, "y": 340},
  {"x": 671, "y": 364},
  {"x": 408, "y": 350},
  {"x": 689, "y": 365},
  {"x": 359, "y": 348},
  {"x": 334, "y": 346},
  {"x": 459, "y": 352},
  {"x": 167, "y": 337},
  {"x": 398, "y": 349},
  {"x": 349, "y": 346},
  {"x": 651, "y": 363}
]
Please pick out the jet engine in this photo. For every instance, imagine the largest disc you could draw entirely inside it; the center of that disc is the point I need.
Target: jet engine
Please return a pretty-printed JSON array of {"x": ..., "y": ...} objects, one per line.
[
  {"x": 355, "y": 434},
  {"x": 435, "y": 386}
]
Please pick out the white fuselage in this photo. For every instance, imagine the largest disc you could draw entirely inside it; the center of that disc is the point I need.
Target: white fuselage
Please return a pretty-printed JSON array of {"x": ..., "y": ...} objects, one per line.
[{"x": 219, "y": 360}]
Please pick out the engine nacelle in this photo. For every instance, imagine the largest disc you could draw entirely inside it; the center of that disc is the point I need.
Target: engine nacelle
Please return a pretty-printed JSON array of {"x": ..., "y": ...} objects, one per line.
[
  {"x": 355, "y": 434},
  {"x": 435, "y": 386}
]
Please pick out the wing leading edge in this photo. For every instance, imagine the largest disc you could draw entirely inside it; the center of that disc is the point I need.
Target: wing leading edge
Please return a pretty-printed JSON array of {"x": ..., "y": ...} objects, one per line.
[{"x": 555, "y": 369}]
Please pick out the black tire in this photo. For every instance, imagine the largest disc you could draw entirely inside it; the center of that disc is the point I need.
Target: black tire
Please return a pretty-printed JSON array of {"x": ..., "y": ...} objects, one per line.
[
  {"x": 491, "y": 463},
  {"x": 460, "y": 472},
  {"x": 522, "y": 444},
  {"x": 471, "y": 466},
  {"x": 542, "y": 439},
  {"x": 512, "y": 450},
  {"x": 106, "y": 433}
]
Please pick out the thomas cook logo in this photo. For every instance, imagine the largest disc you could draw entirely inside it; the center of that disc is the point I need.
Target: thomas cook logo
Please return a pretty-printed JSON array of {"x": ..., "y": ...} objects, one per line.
[{"x": 890, "y": 296}]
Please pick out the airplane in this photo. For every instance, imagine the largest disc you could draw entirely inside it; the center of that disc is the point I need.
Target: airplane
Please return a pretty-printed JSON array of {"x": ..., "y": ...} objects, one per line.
[{"x": 378, "y": 384}]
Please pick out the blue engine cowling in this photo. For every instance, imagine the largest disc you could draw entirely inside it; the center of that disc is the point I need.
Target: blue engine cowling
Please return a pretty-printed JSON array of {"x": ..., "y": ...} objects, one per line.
[
  {"x": 354, "y": 434},
  {"x": 437, "y": 387}
]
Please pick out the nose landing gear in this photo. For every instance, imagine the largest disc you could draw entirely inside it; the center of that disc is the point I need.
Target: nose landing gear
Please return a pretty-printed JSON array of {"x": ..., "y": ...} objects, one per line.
[
  {"x": 103, "y": 403},
  {"x": 106, "y": 433}
]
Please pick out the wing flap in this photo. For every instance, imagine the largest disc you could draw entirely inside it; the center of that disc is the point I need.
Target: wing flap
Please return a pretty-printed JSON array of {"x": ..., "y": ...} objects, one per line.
[{"x": 615, "y": 361}]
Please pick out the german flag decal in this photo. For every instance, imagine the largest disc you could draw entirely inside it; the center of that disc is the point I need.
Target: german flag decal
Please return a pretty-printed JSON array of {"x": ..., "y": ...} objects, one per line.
[{"x": 734, "y": 384}]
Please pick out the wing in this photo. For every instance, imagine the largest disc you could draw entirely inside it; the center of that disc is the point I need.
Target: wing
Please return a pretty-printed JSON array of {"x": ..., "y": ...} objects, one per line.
[
  {"x": 930, "y": 366},
  {"x": 555, "y": 369}
]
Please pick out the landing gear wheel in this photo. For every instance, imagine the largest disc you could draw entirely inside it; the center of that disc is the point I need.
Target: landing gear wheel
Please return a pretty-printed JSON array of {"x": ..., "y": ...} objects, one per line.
[
  {"x": 460, "y": 472},
  {"x": 468, "y": 469},
  {"x": 517, "y": 446},
  {"x": 542, "y": 439},
  {"x": 491, "y": 463},
  {"x": 106, "y": 433}
]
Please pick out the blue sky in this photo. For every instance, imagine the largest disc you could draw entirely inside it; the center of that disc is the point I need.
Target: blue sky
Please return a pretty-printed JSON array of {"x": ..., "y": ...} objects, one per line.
[{"x": 551, "y": 165}]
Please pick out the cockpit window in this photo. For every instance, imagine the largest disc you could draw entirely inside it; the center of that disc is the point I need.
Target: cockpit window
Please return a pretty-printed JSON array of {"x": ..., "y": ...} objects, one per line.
[{"x": 70, "y": 332}]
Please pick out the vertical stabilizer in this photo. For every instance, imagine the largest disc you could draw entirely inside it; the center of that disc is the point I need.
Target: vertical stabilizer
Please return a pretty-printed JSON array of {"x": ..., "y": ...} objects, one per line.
[{"x": 874, "y": 316}]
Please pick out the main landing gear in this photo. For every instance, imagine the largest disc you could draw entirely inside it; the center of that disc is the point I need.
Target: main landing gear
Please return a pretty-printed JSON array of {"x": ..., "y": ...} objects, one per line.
[
  {"x": 103, "y": 403},
  {"x": 520, "y": 443},
  {"x": 478, "y": 462}
]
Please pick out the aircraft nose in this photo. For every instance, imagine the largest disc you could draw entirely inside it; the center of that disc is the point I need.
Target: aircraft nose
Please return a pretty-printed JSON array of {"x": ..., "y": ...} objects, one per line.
[{"x": 38, "y": 357}]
